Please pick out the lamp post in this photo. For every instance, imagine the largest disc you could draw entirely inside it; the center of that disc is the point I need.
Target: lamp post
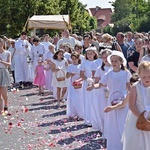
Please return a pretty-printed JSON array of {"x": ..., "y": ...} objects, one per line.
[
  {"x": 96, "y": 10},
  {"x": 111, "y": 2}
]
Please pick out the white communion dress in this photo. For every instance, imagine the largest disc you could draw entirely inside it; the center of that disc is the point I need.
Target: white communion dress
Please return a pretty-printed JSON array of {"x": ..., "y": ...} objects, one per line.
[
  {"x": 99, "y": 102},
  {"x": 75, "y": 105},
  {"x": 61, "y": 73},
  {"x": 115, "y": 120},
  {"x": 87, "y": 66},
  {"x": 48, "y": 73},
  {"x": 133, "y": 138}
]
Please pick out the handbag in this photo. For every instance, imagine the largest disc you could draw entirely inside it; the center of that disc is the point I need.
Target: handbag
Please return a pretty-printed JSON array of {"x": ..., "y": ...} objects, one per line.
[
  {"x": 59, "y": 79},
  {"x": 142, "y": 122}
]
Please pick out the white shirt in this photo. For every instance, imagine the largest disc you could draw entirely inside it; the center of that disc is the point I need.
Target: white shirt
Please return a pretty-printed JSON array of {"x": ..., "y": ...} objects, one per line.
[
  {"x": 70, "y": 40},
  {"x": 46, "y": 44}
]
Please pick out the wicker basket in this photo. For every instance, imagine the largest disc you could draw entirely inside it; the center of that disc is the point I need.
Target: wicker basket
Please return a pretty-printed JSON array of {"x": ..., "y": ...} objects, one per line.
[
  {"x": 59, "y": 79},
  {"x": 116, "y": 97},
  {"x": 143, "y": 123},
  {"x": 77, "y": 86}
]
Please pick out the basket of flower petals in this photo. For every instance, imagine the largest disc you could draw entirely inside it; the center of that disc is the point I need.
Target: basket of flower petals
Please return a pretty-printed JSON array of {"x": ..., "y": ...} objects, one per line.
[{"x": 77, "y": 85}]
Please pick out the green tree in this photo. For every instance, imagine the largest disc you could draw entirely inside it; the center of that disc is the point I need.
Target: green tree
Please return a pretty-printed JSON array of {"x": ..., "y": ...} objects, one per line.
[
  {"x": 122, "y": 9},
  {"x": 130, "y": 15},
  {"x": 79, "y": 17},
  {"x": 14, "y": 14},
  {"x": 108, "y": 29}
]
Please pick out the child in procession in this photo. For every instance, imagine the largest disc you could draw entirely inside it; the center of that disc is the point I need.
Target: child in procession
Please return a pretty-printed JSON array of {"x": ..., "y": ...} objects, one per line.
[
  {"x": 39, "y": 79},
  {"x": 101, "y": 95},
  {"x": 48, "y": 71},
  {"x": 139, "y": 102},
  {"x": 88, "y": 68},
  {"x": 75, "y": 105},
  {"x": 117, "y": 81},
  {"x": 59, "y": 67}
]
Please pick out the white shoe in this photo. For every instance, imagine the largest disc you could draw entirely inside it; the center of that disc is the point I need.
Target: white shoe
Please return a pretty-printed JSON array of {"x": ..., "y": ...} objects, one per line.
[
  {"x": 58, "y": 104},
  {"x": 63, "y": 100}
]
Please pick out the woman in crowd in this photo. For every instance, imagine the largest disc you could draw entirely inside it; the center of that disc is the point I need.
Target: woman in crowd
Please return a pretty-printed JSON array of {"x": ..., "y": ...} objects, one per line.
[
  {"x": 133, "y": 60},
  {"x": 108, "y": 42}
]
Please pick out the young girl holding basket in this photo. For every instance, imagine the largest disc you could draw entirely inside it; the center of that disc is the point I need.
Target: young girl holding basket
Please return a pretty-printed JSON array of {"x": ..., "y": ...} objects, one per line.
[
  {"x": 75, "y": 105},
  {"x": 59, "y": 75},
  {"x": 118, "y": 84}
]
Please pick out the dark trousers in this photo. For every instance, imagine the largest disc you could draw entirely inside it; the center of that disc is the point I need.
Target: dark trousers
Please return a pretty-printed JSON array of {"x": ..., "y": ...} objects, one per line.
[{"x": 13, "y": 75}]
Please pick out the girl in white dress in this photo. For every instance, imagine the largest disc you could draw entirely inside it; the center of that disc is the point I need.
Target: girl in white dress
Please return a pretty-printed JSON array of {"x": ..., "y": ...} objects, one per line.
[
  {"x": 75, "y": 105},
  {"x": 37, "y": 50},
  {"x": 133, "y": 79},
  {"x": 139, "y": 101},
  {"x": 88, "y": 68},
  {"x": 48, "y": 73},
  {"x": 101, "y": 95},
  {"x": 59, "y": 75},
  {"x": 67, "y": 52},
  {"x": 78, "y": 48},
  {"x": 117, "y": 81},
  {"x": 5, "y": 61}
]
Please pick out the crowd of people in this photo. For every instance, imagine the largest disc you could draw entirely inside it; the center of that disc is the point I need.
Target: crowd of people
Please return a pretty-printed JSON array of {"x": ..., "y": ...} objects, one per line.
[{"x": 104, "y": 80}]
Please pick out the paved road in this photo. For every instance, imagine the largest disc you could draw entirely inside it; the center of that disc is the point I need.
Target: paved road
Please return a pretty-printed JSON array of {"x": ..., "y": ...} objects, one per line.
[{"x": 35, "y": 123}]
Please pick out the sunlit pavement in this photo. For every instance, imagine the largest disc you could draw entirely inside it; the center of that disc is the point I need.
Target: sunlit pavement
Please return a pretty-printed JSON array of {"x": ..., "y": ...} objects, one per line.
[{"x": 35, "y": 123}]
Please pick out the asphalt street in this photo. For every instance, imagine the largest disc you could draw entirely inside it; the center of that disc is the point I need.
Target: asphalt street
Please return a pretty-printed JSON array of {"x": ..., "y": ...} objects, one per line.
[{"x": 35, "y": 123}]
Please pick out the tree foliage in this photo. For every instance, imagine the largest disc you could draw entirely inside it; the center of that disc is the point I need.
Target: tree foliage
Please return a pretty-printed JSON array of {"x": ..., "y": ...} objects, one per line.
[
  {"x": 108, "y": 29},
  {"x": 14, "y": 14},
  {"x": 131, "y": 15},
  {"x": 121, "y": 10},
  {"x": 144, "y": 25}
]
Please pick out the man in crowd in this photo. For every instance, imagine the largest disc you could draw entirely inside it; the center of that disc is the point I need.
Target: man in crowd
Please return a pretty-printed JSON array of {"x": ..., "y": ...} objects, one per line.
[
  {"x": 46, "y": 42},
  {"x": 130, "y": 38},
  {"x": 21, "y": 66},
  {"x": 124, "y": 46},
  {"x": 66, "y": 38}
]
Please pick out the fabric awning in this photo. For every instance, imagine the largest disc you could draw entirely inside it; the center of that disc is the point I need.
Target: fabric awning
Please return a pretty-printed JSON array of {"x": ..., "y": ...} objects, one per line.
[{"x": 49, "y": 22}]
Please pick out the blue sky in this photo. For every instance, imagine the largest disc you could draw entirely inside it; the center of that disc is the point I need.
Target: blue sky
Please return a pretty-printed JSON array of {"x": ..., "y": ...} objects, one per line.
[{"x": 100, "y": 3}]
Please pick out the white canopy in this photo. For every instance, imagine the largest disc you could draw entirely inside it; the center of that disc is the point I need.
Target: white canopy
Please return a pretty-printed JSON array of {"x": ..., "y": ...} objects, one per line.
[{"x": 49, "y": 22}]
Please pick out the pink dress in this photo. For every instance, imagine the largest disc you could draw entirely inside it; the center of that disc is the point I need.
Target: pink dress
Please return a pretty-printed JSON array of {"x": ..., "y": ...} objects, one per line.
[{"x": 40, "y": 77}]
